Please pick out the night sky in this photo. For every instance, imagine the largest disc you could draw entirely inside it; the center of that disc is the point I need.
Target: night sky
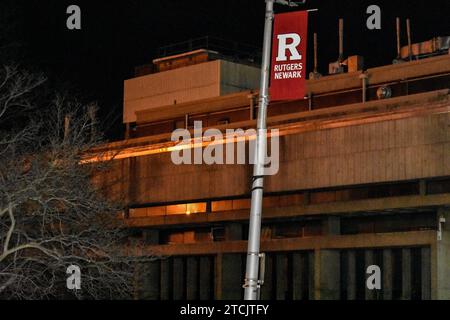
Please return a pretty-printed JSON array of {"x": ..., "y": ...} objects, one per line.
[{"x": 116, "y": 36}]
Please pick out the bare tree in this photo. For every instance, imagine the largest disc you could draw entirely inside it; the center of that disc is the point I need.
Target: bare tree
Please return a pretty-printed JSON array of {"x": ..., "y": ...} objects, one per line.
[{"x": 51, "y": 214}]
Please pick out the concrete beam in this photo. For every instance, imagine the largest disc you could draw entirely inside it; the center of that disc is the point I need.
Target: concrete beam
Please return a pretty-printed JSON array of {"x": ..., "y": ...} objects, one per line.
[
  {"x": 342, "y": 208},
  {"x": 377, "y": 240}
]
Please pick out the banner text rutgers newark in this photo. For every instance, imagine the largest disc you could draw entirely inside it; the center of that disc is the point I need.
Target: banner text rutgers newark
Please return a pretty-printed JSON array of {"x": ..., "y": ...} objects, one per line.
[{"x": 288, "y": 68}]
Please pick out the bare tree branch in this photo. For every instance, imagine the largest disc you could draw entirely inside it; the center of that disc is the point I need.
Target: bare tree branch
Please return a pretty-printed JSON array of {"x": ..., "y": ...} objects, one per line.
[{"x": 52, "y": 215}]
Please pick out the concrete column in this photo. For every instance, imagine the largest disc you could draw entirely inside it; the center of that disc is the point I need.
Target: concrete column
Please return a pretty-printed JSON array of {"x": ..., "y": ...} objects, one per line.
[
  {"x": 192, "y": 279},
  {"x": 178, "y": 279},
  {"x": 443, "y": 257},
  {"x": 165, "y": 279},
  {"x": 218, "y": 276},
  {"x": 298, "y": 276},
  {"x": 406, "y": 274},
  {"x": 281, "y": 277},
  {"x": 388, "y": 276},
  {"x": 231, "y": 270},
  {"x": 425, "y": 254},
  {"x": 311, "y": 256},
  {"x": 205, "y": 279},
  {"x": 369, "y": 261},
  {"x": 327, "y": 269},
  {"x": 327, "y": 265},
  {"x": 351, "y": 275}
]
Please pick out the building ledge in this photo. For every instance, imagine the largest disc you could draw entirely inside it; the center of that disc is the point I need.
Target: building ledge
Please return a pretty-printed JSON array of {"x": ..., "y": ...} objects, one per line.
[
  {"x": 354, "y": 114},
  {"x": 381, "y": 205},
  {"x": 384, "y": 240}
]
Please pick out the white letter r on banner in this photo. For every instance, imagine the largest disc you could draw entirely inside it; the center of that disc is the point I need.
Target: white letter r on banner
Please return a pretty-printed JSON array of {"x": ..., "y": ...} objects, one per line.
[{"x": 295, "y": 40}]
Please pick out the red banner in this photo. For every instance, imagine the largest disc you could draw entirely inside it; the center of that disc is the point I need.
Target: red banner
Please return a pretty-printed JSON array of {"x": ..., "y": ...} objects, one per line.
[{"x": 288, "y": 68}]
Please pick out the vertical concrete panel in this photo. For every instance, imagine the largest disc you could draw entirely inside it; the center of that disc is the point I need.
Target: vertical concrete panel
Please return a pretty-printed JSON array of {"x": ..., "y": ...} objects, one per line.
[
  {"x": 311, "y": 256},
  {"x": 218, "y": 276},
  {"x": 232, "y": 277},
  {"x": 178, "y": 279},
  {"x": 281, "y": 277},
  {"x": 425, "y": 254},
  {"x": 406, "y": 274},
  {"x": 205, "y": 278},
  {"x": 154, "y": 270},
  {"x": 368, "y": 261},
  {"x": 387, "y": 272},
  {"x": 342, "y": 170},
  {"x": 328, "y": 267},
  {"x": 192, "y": 279},
  {"x": 165, "y": 279},
  {"x": 351, "y": 275},
  {"x": 298, "y": 273}
]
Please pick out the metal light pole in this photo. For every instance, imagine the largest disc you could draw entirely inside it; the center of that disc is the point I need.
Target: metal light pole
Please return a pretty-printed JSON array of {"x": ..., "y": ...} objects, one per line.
[{"x": 252, "y": 283}]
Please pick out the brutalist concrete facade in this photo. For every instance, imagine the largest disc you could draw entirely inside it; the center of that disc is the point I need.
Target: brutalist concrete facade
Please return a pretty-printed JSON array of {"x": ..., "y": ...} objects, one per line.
[{"x": 360, "y": 184}]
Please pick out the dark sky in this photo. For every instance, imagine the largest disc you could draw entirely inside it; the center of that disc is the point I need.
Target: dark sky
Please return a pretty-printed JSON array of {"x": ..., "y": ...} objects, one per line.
[{"x": 116, "y": 36}]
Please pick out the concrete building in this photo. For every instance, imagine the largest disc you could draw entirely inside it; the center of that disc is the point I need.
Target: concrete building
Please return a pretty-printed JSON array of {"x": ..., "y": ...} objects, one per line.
[{"x": 364, "y": 180}]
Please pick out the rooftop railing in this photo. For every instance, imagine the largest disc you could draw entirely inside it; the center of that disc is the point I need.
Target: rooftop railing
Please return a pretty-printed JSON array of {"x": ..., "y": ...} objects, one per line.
[{"x": 233, "y": 49}]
